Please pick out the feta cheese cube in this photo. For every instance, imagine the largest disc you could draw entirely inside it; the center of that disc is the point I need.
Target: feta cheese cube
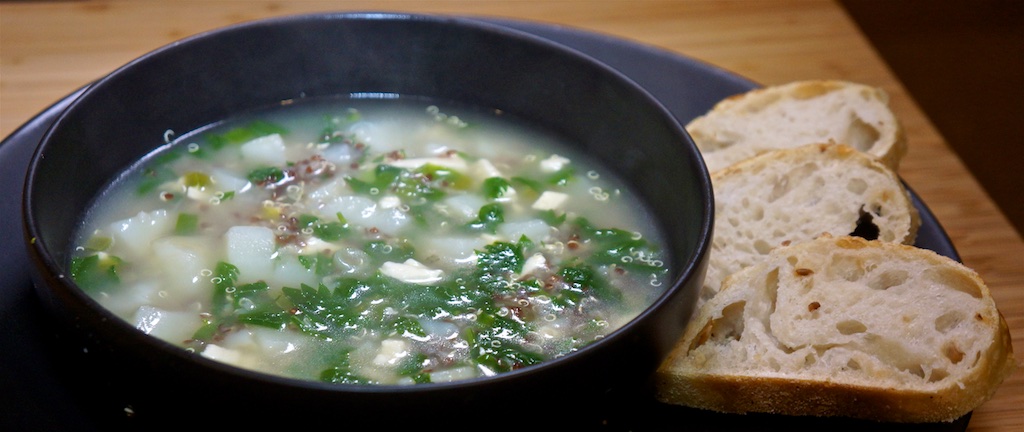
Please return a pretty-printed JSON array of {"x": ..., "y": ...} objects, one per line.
[
  {"x": 550, "y": 200},
  {"x": 412, "y": 271},
  {"x": 391, "y": 351},
  {"x": 533, "y": 263},
  {"x": 554, "y": 163},
  {"x": 483, "y": 169}
]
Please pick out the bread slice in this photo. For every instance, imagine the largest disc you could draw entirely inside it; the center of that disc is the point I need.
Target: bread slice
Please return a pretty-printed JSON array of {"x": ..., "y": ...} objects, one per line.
[
  {"x": 842, "y": 326},
  {"x": 796, "y": 194},
  {"x": 798, "y": 113}
]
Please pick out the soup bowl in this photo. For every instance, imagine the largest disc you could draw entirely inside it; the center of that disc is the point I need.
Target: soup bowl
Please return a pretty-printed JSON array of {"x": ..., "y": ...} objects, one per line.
[{"x": 209, "y": 77}]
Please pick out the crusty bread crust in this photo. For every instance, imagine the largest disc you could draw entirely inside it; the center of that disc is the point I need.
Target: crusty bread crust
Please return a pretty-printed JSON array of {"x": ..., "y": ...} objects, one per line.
[
  {"x": 799, "y": 113},
  {"x": 766, "y": 342},
  {"x": 796, "y": 194}
]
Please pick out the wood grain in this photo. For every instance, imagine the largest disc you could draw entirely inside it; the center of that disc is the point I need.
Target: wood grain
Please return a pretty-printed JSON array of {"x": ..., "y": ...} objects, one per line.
[{"x": 48, "y": 49}]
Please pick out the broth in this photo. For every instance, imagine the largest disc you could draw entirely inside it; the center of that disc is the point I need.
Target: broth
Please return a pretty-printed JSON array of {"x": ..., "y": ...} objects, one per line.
[{"x": 371, "y": 241}]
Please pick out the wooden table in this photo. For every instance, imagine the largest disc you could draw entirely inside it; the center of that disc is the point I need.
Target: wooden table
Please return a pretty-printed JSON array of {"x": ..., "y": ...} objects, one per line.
[{"x": 48, "y": 49}]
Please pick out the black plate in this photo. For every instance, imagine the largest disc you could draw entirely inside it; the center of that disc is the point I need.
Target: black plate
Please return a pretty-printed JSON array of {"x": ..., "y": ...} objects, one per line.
[{"x": 37, "y": 393}]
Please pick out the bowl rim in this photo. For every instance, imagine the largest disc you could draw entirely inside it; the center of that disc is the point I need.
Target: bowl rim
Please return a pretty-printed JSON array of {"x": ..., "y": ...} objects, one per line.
[{"x": 691, "y": 267}]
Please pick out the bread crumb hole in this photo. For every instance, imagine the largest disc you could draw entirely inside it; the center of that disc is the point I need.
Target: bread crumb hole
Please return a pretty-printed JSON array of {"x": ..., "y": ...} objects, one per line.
[
  {"x": 853, "y": 365},
  {"x": 953, "y": 353},
  {"x": 848, "y": 268},
  {"x": 948, "y": 321},
  {"x": 702, "y": 337},
  {"x": 813, "y": 306},
  {"x": 850, "y": 327},
  {"x": 762, "y": 247},
  {"x": 917, "y": 370},
  {"x": 803, "y": 272},
  {"x": 938, "y": 375},
  {"x": 729, "y": 327},
  {"x": 888, "y": 279},
  {"x": 866, "y": 227},
  {"x": 953, "y": 278},
  {"x": 779, "y": 190},
  {"x": 810, "y": 359},
  {"x": 857, "y": 186},
  {"x": 861, "y": 135}
]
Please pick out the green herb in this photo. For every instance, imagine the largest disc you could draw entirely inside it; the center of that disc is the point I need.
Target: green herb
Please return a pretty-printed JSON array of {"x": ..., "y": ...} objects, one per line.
[
  {"x": 224, "y": 277},
  {"x": 495, "y": 265},
  {"x": 620, "y": 247},
  {"x": 331, "y": 231},
  {"x": 266, "y": 175},
  {"x": 561, "y": 177},
  {"x": 341, "y": 372},
  {"x": 412, "y": 366},
  {"x": 187, "y": 224},
  {"x": 531, "y": 184},
  {"x": 243, "y": 134},
  {"x": 195, "y": 179},
  {"x": 96, "y": 272},
  {"x": 98, "y": 243},
  {"x": 440, "y": 177},
  {"x": 552, "y": 218},
  {"x": 322, "y": 263},
  {"x": 381, "y": 251},
  {"x": 492, "y": 346},
  {"x": 322, "y": 312},
  {"x": 495, "y": 187},
  {"x": 487, "y": 219}
]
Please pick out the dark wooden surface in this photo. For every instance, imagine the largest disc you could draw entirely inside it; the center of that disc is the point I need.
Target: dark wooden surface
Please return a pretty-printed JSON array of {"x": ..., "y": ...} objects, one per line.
[{"x": 963, "y": 61}]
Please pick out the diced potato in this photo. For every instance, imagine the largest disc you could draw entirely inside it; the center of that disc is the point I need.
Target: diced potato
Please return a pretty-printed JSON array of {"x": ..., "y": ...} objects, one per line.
[
  {"x": 265, "y": 150},
  {"x": 129, "y": 298},
  {"x": 181, "y": 260},
  {"x": 171, "y": 326},
  {"x": 534, "y": 229},
  {"x": 454, "y": 374},
  {"x": 463, "y": 208},
  {"x": 224, "y": 181},
  {"x": 138, "y": 232},
  {"x": 288, "y": 271},
  {"x": 453, "y": 251},
  {"x": 353, "y": 262},
  {"x": 327, "y": 191},
  {"x": 279, "y": 342},
  {"x": 365, "y": 212},
  {"x": 224, "y": 355},
  {"x": 251, "y": 249},
  {"x": 341, "y": 153}
]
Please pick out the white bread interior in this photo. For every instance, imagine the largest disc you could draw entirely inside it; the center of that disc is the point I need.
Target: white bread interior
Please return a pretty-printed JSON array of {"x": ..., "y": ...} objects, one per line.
[
  {"x": 842, "y": 326},
  {"x": 799, "y": 113},
  {"x": 796, "y": 194}
]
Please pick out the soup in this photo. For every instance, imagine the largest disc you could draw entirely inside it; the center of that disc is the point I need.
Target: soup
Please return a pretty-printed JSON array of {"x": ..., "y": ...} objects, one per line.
[{"x": 371, "y": 241}]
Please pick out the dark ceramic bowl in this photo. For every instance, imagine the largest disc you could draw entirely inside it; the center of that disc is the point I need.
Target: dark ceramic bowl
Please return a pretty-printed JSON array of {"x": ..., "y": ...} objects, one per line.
[{"x": 213, "y": 76}]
